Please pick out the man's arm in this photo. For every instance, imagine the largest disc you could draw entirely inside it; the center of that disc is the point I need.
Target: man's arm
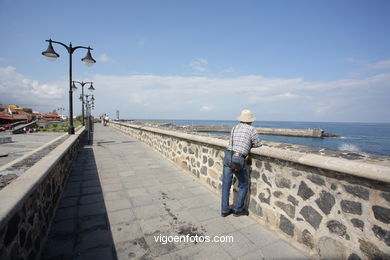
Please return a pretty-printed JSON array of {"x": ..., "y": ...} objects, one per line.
[{"x": 255, "y": 138}]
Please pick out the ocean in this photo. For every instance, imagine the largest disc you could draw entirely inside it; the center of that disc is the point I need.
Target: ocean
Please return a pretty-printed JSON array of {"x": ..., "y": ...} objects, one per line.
[{"x": 373, "y": 138}]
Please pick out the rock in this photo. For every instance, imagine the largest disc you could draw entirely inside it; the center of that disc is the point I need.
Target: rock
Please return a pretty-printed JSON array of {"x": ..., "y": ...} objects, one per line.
[
  {"x": 386, "y": 196},
  {"x": 382, "y": 214},
  {"x": 203, "y": 170},
  {"x": 255, "y": 174},
  {"x": 293, "y": 200},
  {"x": 326, "y": 202},
  {"x": 210, "y": 162},
  {"x": 351, "y": 207},
  {"x": 265, "y": 179},
  {"x": 282, "y": 182},
  {"x": 311, "y": 216},
  {"x": 304, "y": 191},
  {"x": 255, "y": 208},
  {"x": 336, "y": 227},
  {"x": 372, "y": 251},
  {"x": 354, "y": 256},
  {"x": 267, "y": 166},
  {"x": 316, "y": 180},
  {"x": 358, "y": 191},
  {"x": 288, "y": 208},
  {"x": 382, "y": 234},
  {"x": 286, "y": 226},
  {"x": 264, "y": 199},
  {"x": 329, "y": 248},
  {"x": 204, "y": 159},
  {"x": 277, "y": 194},
  {"x": 357, "y": 223},
  {"x": 307, "y": 238}
]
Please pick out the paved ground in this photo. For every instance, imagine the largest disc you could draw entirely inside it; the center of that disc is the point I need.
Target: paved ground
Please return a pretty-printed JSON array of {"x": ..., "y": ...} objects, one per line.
[
  {"x": 122, "y": 195},
  {"x": 22, "y": 144}
]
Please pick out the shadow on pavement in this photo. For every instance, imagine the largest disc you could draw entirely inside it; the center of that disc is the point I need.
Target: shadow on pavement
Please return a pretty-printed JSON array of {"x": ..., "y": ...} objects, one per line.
[{"x": 80, "y": 229}]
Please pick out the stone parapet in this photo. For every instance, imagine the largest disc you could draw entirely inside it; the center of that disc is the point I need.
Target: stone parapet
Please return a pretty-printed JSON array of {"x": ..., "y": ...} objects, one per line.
[
  {"x": 27, "y": 205},
  {"x": 327, "y": 206}
]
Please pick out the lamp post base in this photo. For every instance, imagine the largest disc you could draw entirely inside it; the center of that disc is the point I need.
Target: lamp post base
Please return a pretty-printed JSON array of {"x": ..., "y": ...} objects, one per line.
[{"x": 71, "y": 130}]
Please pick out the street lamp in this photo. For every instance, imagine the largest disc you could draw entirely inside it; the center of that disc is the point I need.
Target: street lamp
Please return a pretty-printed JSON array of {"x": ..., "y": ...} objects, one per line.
[
  {"x": 91, "y": 88},
  {"x": 88, "y": 60}
]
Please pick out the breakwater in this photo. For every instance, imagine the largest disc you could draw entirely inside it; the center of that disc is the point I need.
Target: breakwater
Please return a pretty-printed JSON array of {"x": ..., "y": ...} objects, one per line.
[
  {"x": 314, "y": 133},
  {"x": 331, "y": 205}
]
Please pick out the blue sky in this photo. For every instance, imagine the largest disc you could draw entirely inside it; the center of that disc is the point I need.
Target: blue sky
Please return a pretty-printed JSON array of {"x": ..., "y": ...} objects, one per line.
[{"x": 284, "y": 60}]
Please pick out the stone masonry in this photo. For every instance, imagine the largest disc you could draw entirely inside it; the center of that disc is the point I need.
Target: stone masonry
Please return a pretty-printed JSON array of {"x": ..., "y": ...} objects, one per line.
[
  {"x": 328, "y": 214},
  {"x": 27, "y": 205}
]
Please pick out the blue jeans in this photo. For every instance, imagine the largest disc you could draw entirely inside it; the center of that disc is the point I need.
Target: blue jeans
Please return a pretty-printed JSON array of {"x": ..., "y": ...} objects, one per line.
[{"x": 243, "y": 185}]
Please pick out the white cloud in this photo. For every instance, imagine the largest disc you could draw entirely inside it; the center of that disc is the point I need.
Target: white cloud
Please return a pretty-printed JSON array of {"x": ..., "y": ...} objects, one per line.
[
  {"x": 199, "y": 65},
  {"x": 15, "y": 88},
  {"x": 156, "y": 96},
  {"x": 167, "y": 96},
  {"x": 104, "y": 58},
  {"x": 207, "y": 108},
  {"x": 379, "y": 65}
]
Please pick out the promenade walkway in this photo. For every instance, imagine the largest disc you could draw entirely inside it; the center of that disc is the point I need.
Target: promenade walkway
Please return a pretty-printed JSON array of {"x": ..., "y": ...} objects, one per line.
[{"x": 121, "y": 196}]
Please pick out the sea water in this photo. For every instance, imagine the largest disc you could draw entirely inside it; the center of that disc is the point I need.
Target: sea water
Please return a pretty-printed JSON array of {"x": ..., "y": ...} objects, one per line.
[{"x": 371, "y": 138}]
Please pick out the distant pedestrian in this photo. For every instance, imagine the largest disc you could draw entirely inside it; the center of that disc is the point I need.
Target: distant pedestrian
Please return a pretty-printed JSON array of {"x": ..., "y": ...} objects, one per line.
[
  {"x": 106, "y": 120},
  {"x": 243, "y": 137}
]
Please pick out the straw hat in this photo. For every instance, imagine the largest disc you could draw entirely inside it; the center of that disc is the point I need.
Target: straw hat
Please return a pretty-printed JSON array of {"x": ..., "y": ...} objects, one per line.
[{"x": 246, "y": 116}]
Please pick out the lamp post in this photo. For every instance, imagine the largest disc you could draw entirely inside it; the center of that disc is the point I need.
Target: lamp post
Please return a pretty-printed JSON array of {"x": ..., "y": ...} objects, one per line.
[
  {"x": 61, "y": 109},
  {"x": 88, "y": 60},
  {"x": 91, "y": 88},
  {"x": 89, "y": 104}
]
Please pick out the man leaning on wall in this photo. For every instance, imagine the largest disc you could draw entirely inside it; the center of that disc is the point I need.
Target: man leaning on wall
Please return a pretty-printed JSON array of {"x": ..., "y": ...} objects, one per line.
[{"x": 242, "y": 138}]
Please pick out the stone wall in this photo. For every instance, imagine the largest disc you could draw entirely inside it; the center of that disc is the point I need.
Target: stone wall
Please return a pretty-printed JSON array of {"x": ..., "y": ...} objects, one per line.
[
  {"x": 28, "y": 204},
  {"x": 326, "y": 206}
]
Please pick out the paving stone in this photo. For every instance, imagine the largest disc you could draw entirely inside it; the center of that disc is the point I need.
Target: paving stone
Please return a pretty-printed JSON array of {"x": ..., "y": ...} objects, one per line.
[
  {"x": 65, "y": 213},
  {"x": 58, "y": 248},
  {"x": 114, "y": 205},
  {"x": 217, "y": 226},
  {"x": 92, "y": 198},
  {"x": 198, "y": 252},
  {"x": 204, "y": 213},
  {"x": 136, "y": 192},
  {"x": 105, "y": 253},
  {"x": 92, "y": 239},
  {"x": 126, "y": 232},
  {"x": 93, "y": 222},
  {"x": 92, "y": 209},
  {"x": 121, "y": 216},
  {"x": 259, "y": 235},
  {"x": 239, "y": 245},
  {"x": 130, "y": 194},
  {"x": 281, "y": 250}
]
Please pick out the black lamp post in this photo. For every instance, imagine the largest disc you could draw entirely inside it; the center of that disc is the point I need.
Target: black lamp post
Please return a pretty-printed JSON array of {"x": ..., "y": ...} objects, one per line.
[
  {"x": 91, "y": 88},
  {"x": 88, "y": 60}
]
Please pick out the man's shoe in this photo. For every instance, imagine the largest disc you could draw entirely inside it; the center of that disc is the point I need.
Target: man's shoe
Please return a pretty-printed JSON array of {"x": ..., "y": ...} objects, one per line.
[
  {"x": 227, "y": 213},
  {"x": 241, "y": 213}
]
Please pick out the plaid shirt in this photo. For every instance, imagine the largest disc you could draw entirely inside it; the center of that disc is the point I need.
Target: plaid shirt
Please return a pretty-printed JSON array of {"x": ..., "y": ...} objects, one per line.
[{"x": 245, "y": 137}]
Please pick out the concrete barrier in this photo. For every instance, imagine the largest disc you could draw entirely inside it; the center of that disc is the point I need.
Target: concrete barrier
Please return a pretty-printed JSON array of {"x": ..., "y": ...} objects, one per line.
[
  {"x": 314, "y": 133},
  {"x": 334, "y": 205},
  {"x": 28, "y": 204}
]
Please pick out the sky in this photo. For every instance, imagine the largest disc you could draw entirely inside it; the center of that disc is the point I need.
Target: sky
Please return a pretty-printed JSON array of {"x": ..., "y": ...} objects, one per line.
[{"x": 298, "y": 60}]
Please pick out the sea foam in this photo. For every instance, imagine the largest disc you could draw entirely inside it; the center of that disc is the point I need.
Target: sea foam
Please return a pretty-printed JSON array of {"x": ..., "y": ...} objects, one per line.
[{"x": 349, "y": 147}]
